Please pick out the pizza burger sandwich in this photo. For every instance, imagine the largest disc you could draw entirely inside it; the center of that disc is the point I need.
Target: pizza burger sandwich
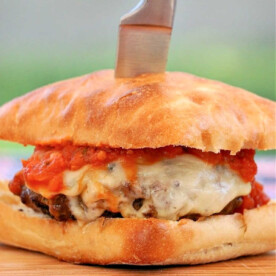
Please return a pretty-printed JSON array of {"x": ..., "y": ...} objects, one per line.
[{"x": 152, "y": 170}]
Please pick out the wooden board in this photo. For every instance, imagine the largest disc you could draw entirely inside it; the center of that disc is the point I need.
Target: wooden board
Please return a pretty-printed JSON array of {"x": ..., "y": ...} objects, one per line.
[{"x": 15, "y": 262}]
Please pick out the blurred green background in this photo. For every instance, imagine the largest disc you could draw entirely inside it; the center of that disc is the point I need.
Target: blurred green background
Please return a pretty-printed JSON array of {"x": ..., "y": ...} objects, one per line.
[{"x": 46, "y": 41}]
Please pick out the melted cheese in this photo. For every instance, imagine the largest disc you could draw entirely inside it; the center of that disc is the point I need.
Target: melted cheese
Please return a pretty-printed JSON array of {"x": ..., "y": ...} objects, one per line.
[{"x": 170, "y": 189}]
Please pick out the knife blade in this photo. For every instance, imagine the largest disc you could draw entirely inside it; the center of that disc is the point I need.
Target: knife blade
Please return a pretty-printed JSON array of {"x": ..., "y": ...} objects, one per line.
[{"x": 144, "y": 38}]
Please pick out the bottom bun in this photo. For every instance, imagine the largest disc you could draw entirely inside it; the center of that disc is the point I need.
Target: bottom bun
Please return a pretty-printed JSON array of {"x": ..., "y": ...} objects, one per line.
[{"x": 138, "y": 241}]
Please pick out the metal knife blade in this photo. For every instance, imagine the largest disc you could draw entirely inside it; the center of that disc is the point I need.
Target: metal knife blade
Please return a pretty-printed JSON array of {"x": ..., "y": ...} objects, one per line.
[{"x": 144, "y": 38}]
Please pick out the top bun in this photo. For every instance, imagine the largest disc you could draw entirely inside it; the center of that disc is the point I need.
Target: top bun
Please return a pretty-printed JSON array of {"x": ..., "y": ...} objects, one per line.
[{"x": 151, "y": 110}]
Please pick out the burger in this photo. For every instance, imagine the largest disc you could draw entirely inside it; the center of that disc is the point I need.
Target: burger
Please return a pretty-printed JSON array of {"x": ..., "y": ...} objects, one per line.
[{"x": 152, "y": 170}]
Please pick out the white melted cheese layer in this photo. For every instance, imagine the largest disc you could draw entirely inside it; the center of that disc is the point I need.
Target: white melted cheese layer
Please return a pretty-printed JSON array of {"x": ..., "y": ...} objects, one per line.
[{"x": 170, "y": 189}]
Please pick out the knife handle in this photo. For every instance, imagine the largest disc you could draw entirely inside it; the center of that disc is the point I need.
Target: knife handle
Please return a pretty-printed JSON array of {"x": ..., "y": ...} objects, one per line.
[{"x": 151, "y": 12}]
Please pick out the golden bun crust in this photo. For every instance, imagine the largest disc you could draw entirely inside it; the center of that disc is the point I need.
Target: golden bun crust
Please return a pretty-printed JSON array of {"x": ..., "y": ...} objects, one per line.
[
  {"x": 138, "y": 241},
  {"x": 152, "y": 110}
]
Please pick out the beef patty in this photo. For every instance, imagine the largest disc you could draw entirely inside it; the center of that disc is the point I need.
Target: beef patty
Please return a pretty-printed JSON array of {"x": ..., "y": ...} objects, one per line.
[{"x": 58, "y": 206}]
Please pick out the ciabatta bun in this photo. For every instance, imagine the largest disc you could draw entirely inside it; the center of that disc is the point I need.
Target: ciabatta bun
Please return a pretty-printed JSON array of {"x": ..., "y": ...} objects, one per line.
[
  {"x": 152, "y": 110},
  {"x": 138, "y": 241}
]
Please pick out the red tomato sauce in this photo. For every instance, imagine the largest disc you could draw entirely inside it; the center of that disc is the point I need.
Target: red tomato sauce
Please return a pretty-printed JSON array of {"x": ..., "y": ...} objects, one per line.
[
  {"x": 256, "y": 198},
  {"x": 16, "y": 184},
  {"x": 44, "y": 169}
]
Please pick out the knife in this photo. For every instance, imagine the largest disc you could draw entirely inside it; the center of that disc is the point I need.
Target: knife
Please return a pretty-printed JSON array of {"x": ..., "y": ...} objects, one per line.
[{"x": 144, "y": 38}]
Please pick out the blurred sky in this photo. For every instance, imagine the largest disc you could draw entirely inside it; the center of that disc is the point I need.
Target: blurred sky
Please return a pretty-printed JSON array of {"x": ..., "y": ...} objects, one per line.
[{"x": 45, "y": 41}]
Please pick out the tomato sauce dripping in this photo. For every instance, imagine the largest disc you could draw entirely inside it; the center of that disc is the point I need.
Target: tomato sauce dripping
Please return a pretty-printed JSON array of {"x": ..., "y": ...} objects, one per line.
[
  {"x": 256, "y": 198},
  {"x": 16, "y": 184},
  {"x": 44, "y": 169}
]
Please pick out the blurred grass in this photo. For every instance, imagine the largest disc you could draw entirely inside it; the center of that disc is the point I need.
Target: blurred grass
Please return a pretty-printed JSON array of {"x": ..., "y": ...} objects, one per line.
[
  {"x": 248, "y": 66},
  {"x": 14, "y": 149}
]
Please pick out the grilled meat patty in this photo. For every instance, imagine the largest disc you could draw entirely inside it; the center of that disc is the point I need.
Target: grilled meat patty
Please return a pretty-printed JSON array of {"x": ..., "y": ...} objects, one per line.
[{"x": 58, "y": 206}]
